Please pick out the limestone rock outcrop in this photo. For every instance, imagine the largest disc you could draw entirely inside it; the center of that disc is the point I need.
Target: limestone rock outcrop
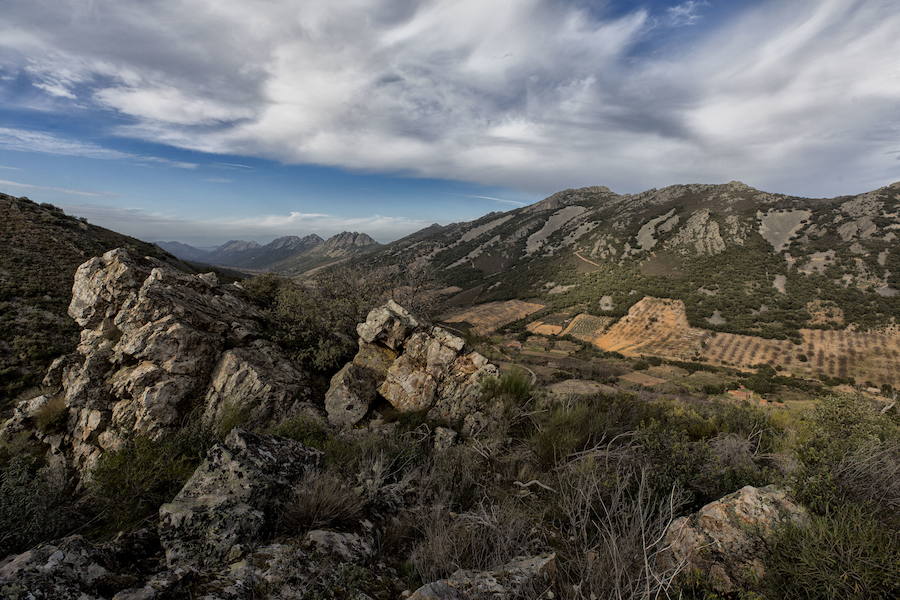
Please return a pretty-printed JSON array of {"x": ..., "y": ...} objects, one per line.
[
  {"x": 725, "y": 539},
  {"x": 155, "y": 344},
  {"x": 412, "y": 365},
  {"x": 515, "y": 579},
  {"x": 230, "y": 497}
]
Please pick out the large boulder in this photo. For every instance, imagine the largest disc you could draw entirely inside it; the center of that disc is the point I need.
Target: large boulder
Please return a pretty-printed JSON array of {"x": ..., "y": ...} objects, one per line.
[
  {"x": 414, "y": 366},
  {"x": 725, "y": 539},
  {"x": 231, "y": 497},
  {"x": 354, "y": 387},
  {"x": 521, "y": 577},
  {"x": 154, "y": 341},
  {"x": 73, "y": 568}
]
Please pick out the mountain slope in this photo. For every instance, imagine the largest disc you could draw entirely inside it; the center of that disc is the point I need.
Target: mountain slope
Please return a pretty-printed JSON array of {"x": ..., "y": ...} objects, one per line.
[
  {"x": 338, "y": 248},
  {"x": 184, "y": 251},
  {"x": 742, "y": 260}
]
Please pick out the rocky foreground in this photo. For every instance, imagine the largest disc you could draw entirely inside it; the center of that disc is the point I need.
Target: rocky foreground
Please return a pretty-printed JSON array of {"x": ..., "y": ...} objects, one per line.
[{"x": 160, "y": 348}]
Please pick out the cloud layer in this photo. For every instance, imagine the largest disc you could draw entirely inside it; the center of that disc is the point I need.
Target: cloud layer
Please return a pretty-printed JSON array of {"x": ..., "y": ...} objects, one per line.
[{"x": 795, "y": 96}]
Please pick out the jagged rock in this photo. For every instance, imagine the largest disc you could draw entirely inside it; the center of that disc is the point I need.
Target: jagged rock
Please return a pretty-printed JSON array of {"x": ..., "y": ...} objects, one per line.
[
  {"x": 74, "y": 568},
  {"x": 726, "y": 538},
  {"x": 258, "y": 372},
  {"x": 346, "y": 546},
  {"x": 354, "y": 387},
  {"x": 443, "y": 438},
  {"x": 228, "y": 499},
  {"x": 434, "y": 373},
  {"x": 388, "y": 325},
  {"x": 509, "y": 581},
  {"x": 415, "y": 367},
  {"x": 153, "y": 341}
]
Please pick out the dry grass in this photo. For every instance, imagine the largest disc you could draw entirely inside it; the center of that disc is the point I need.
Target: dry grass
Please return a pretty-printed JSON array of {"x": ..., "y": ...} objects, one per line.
[
  {"x": 51, "y": 417},
  {"x": 321, "y": 499},
  {"x": 614, "y": 525}
]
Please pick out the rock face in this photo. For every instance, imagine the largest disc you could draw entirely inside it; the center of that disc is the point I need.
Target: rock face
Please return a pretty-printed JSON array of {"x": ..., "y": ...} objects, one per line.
[
  {"x": 512, "y": 580},
  {"x": 154, "y": 341},
  {"x": 230, "y": 496},
  {"x": 415, "y": 367},
  {"x": 725, "y": 538}
]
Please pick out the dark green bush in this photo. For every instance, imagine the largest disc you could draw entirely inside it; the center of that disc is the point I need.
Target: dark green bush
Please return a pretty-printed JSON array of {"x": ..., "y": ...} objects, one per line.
[
  {"x": 36, "y": 504},
  {"x": 513, "y": 386},
  {"x": 129, "y": 484},
  {"x": 840, "y": 427},
  {"x": 847, "y": 555},
  {"x": 303, "y": 429}
]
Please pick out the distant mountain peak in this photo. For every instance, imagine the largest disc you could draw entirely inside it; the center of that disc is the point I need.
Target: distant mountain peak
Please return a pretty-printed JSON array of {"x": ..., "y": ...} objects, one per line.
[{"x": 349, "y": 239}]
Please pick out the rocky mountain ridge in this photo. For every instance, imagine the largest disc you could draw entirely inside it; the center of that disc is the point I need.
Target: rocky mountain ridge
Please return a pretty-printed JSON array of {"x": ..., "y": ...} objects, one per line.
[
  {"x": 754, "y": 258},
  {"x": 287, "y": 254}
]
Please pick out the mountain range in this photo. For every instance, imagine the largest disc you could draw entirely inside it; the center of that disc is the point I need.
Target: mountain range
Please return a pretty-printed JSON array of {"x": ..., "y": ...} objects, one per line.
[{"x": 289, "y": 255}]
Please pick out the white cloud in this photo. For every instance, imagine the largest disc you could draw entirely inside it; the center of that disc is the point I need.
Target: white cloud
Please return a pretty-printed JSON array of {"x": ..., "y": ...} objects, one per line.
[
  {"x": 24, "y": 140},
  {"x": 8, "y": 168},
  {"x": 153, "y": 226},
  {"x": 686, "y": 13},
  {"x": 47, "y": 188},
  {"x": 500, "y": 200},
  {"x": 532, "y": 94}
]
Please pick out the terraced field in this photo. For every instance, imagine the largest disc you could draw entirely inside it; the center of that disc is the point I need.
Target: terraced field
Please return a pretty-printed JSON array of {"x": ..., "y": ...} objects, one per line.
[
  {"x": 659, "y": 327},
  {"x": 486, "y": 318},
  {"x": 656, "y": 326},
  {"x": 587, "y": 328}
]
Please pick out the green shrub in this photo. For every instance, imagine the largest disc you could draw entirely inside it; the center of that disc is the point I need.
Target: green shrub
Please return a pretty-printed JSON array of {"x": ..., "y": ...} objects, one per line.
[
  {"x": 513, "y": 386},
  {"x": 52, "y": 416},
  {"x": 129, "y": 484},
  {"x": 840, "y": 427},
  {"x": 36, "y": 504},
  {"x": 303, "y": 429},
  {"x": 849, "y": 555}
]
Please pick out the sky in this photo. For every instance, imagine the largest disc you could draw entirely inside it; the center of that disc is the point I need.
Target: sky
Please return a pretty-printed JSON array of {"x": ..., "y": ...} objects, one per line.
[{"x": 208, "y": 120}]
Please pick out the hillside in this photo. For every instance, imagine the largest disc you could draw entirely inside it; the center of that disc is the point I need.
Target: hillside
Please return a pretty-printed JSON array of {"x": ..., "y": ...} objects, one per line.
[
  {"x": 190, "y": 447},
  {"x": 289, "y": 255},
  {"x": 741, "y": 260},
  {"x": 40, "y": 248},
  {"x": 334, "y": 250}
]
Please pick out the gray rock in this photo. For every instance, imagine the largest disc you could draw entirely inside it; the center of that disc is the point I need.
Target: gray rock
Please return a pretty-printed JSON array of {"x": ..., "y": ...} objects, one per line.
[
  {"x": 518, "y": 576},
  {"x": 154, "y": 340},
  {"x": 388, "y": 325},
  {"x": 414, "y": 367},
  {"x": 346, "y": 546},
  {"x": 227, "y": 501},
  {"x": 73, "y": 568},
  {"x": 725, "y": 539}
]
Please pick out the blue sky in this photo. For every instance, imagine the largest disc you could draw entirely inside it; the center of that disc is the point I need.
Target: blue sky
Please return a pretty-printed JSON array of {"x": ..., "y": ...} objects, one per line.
[{"x": 206, "y": 120}]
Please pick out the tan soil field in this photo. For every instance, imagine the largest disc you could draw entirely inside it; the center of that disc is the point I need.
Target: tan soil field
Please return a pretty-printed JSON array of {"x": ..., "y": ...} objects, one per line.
[
  {"x": 486, "y": 318},
  {"x": 659, "y": 327}
]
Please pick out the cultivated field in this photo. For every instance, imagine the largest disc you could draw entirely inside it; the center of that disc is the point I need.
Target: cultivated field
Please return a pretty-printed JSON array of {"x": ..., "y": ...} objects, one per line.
[
  {"x": 486, "y": 318},
  {"x": 659, "y": 327},
  {"x": 655, "y": 326},
  {"x": 587, "y": 328}
]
